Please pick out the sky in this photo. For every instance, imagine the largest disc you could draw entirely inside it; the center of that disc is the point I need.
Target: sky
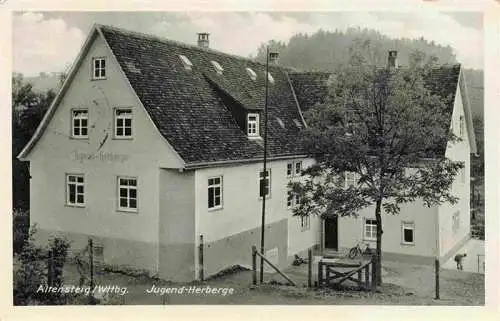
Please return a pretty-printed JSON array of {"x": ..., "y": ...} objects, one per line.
[{"x": 50, "y": 41}]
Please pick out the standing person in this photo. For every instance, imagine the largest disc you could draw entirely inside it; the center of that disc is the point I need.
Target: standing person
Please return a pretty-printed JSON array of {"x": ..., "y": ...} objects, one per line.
[{"x": 458, "y": 258}]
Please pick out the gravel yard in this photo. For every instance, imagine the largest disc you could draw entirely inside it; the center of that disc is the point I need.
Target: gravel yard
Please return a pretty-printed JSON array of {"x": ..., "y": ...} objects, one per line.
[{"x": 404, "y": 284}]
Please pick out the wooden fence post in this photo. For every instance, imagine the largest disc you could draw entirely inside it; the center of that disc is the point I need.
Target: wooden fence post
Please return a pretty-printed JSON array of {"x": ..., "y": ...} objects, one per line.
[
  {"x": 360, "y": 279},
  {"x": 367, "y": 277},
  {"x": 436, "y": 267},
  {"x": 374, "y": 272},
  {"x": 254, "y": 265},
  {"x": 320, "y": 274},
  {"x": 200, "y": 252},
  {"x": 50, "y": 268},
  {"x": 91, "y": 263},
  {"x": 309, "y": 268}
]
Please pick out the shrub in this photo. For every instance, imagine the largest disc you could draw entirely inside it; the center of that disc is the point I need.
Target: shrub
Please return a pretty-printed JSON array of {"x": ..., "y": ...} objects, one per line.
[
  {"x": 31, "y": 272},
  {"x": 20, "y": 229}
]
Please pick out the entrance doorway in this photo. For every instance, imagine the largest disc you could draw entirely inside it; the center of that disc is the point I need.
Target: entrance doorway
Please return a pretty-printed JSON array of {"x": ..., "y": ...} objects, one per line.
[{"x": 331, "y": 233}]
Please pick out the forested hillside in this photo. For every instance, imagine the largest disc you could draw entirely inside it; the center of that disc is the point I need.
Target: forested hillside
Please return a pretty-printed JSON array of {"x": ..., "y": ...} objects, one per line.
[{"x": 325, "y": 50}]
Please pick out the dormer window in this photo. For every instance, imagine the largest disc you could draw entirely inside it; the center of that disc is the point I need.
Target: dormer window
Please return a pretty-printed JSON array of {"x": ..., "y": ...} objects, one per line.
[
  {"x": 251, "y": 73},
  {"x": 99, "y": 68},
  {"x": 297, "y": 123},
  {"x": 270, "y": 78},
  {"x": 253, "y": 125},
  {"x": 186, "y": 62},
  {"x": 280, "y": 122},
  {"x": 217, "y": 66}
]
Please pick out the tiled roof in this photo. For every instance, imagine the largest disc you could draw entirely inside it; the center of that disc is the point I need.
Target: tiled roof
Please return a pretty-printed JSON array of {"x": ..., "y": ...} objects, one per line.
[
  {"x": 312, "y": 87},
  {"x": 187, "y": 106}
]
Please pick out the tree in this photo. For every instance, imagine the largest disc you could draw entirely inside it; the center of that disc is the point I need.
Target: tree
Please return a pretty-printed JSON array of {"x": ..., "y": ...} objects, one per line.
[
  {"x": 28, "y": 109},
  {"x": 385, "y": 126},
  {"x": 274, "y": 45}
]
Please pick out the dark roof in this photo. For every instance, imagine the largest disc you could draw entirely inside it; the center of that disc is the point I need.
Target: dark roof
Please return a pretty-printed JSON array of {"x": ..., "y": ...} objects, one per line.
[
  {"x": 312, "y": 87},
  {"x": 187, "y": 106}
]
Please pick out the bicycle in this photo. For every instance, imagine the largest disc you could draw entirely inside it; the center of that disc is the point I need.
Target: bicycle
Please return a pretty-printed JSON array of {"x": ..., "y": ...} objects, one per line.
[{"x": 355, "y": 251}]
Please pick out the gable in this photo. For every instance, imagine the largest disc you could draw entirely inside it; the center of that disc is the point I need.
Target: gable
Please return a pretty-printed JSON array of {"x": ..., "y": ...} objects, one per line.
[{"x": 100, "y": 98}]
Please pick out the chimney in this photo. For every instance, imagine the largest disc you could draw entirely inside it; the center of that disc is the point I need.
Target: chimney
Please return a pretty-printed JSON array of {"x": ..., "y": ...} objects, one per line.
[
  {"x": 273, "y": 57},
  {"x": 392, "y": 59},
  {"x": 203, "y": 40}
]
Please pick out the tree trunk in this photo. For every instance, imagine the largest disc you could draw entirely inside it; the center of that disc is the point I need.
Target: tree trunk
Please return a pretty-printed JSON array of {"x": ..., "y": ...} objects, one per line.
[{"x": 378, "y": 217}]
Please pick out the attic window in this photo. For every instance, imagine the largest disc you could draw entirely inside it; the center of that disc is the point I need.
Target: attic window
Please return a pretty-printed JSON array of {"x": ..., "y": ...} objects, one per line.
[
  {"x": 270, "y": 78},
  {"x": 280, "y": 121},
  {"x": 99, "y": 68},
  {"x": 297, "y": 123},
  {"x": 251, "y": 73},
  {"x": 217, "y": 66},
  {"x": 186, "y": 62},
  {"x": 253, "y": 125}
]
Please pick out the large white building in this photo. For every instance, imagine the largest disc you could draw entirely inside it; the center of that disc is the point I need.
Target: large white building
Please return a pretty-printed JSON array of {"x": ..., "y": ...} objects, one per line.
[{"x": 152, "y": 144}]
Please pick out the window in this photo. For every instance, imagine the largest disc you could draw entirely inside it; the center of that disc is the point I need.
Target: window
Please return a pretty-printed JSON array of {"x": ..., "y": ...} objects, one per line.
[
  {"x": 186, "y": 62},
  {"x": 123, "y": 123},
  {"x": 455, "y": 221},
  {"x": 370, "y": 229},
  {"x": 292, "y": 199},
  {"x": 99, "y": 68},
  {"x": 264, "y": 183},
  {"x": 350, "y": 179},
  {"x": 280, "y": 122},
  {"x": 270, "y": 78},
  {"x": 127, "y": 193},
  {"x": 253, "y": 125},
  {"x": 298, "y": 168},
  {"x": 349, "y": 122},
  {"x": 297, "y": 123},
  {"x": 251, "y": 73},
  {"x": 289, "y": 169},
  {"x": 408, "y": 231},
  {"x": 75, "y": 190},
  {"x": 305, "y": 222},
  {"x": 215, "y": 192},
  {"x": 217, "y": 66},
  {"x": 462, "y": 126},
  {"x": 80, "y": 123}
]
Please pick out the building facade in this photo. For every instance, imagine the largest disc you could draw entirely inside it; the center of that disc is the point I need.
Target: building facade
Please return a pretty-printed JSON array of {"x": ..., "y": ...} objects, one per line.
[{"x": 154, "y": 147}]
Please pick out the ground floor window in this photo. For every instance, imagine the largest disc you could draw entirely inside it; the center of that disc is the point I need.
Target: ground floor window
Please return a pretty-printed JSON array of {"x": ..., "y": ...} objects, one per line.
[
  {"x": 215, "y": 192},
  {"x": 127, "y": 193},
  {"x": 75, "y": 190},
  {"x": 370, "y": 229},
  {"x": 408, "y": 232},
  {"x": 305, "y": 222}
]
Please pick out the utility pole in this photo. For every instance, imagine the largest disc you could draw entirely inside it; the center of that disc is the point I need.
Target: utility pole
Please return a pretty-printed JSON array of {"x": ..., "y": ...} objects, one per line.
[{"x": 265, "y": 180}]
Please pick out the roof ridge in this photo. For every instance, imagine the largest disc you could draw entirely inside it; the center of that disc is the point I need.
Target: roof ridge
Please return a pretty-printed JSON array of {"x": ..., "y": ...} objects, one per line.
[{"x": 183, "y": 44}]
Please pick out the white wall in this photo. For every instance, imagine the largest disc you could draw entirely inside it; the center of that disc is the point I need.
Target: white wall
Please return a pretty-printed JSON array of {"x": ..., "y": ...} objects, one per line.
[
  {"x": 459, "y": 151},
  {"x": 56, "y": 152},
  {"x": 242, "y": 206},
  {"x": 351, "y": 230}
]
